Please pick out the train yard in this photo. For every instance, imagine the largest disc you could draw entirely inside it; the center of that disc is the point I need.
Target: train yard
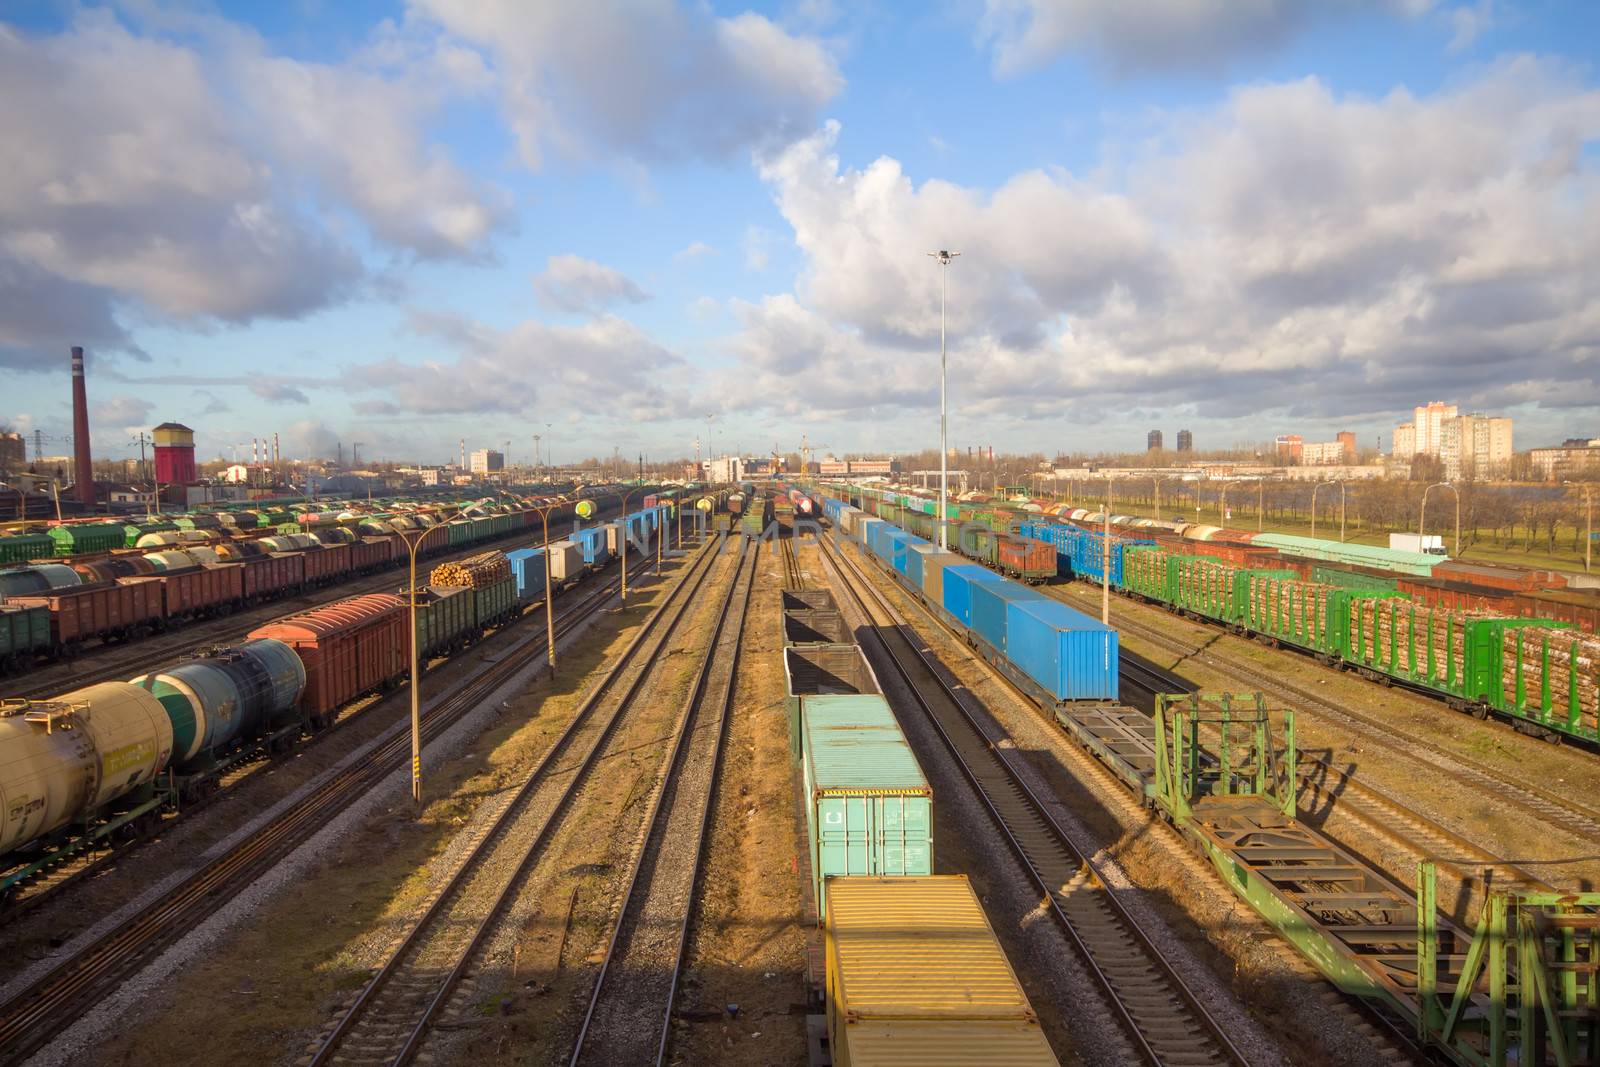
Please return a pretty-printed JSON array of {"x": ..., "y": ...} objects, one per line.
[{"x": 814, "y": 792}]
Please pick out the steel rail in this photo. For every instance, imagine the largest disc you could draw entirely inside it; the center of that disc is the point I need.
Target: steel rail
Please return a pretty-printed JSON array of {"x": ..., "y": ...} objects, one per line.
[
  {"x": 34, "y": 1015},
  {"x": 362, "y": 1007},
  {"x": 1118, "y": 953},
  {"x": 637, "y": 893}
]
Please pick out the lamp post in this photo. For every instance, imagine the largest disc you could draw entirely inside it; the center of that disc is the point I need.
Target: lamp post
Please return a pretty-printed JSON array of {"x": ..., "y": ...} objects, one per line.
[
  {"x": 943, "y": 257},
  {"x": 1588, "y": 540},
  {"x": 549, "y": 603},
  {"x": 623, "y": 541},
  {"x": 1105, "y": 560},
  {"x": 1422, "y": 513},
  {"x": 413, "y": 544}
]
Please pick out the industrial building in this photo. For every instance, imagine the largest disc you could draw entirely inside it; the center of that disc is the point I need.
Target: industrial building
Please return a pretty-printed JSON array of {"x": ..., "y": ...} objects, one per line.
[{"x": 488, "y": 461}]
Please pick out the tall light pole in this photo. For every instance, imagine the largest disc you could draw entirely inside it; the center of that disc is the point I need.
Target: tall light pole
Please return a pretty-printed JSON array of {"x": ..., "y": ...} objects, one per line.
[
  {"x": 549, "y": 600},
  {"x": 944, "y": 257},
  {"x": 413, "y": 544}
]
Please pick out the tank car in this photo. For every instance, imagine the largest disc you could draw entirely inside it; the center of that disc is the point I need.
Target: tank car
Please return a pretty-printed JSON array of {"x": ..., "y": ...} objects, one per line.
[{"x": 71, "y": 757}]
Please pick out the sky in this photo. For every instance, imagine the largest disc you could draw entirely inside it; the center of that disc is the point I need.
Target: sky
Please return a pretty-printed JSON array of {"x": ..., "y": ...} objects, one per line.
[{"x": 635, "y": 226}]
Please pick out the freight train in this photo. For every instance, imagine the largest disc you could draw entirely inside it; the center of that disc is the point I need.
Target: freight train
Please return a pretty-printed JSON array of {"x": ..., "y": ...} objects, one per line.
[
  {"x": 869, "y": 831},
  {"x": 52, "y": 610},
  {"x": 1542, "y": 675},
  {"x": 107, "y": 761}
]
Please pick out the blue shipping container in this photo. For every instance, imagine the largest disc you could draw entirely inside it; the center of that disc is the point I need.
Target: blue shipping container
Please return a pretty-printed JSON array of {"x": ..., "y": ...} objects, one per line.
[
  {"x": 1073, "y": 656},
  {"x": 958, "y": 582},
  {"x": 989, "y": 603},
  {"x": 592, "y": 543},
  {"x": 527, "y": 567}
]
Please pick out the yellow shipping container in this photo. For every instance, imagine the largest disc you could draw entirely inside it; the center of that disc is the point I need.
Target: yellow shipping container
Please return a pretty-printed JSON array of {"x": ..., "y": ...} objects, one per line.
[{"x": 915, "y": 976}]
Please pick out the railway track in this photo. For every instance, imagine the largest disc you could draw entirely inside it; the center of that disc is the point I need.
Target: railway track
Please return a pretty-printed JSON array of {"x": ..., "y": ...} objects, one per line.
[
  {"x": 629, "y": 1015},
  {"x": 31, "y": 1017},
  {"x": 1164, "y": 1022},
  {"x": 390, "y": 1018},
  {"x": 791, "y": 564},
  {"x": 1581, "y": 820}
]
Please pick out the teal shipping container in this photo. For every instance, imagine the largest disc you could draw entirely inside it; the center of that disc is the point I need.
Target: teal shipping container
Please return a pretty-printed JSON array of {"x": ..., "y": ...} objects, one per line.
[{"x": 869, "y": 809}]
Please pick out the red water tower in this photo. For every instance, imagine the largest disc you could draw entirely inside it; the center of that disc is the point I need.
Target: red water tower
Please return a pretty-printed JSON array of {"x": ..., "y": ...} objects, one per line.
[{"x": 174, "y": 453}]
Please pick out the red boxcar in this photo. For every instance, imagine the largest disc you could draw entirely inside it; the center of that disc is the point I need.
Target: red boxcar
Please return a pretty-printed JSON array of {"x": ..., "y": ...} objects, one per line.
[
  {"x": 111, "y": 609},
  {"x": 185, "y": 594},
  {"x": 349, "y": 647},
  {"x": 1458, "y": 596},
  {"x": 1517, "y": 579}
]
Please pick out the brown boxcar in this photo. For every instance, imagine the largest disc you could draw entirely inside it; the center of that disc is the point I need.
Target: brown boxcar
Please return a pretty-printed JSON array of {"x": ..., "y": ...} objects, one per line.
[
  {"x": 271, "y": 575},
  {"x": 1458, "y": 596},
  {"x": 350, "y": 647},
  {"x": 327, "y": 564},
  {"x": 1581, "y": 607},
  {"x": 207, "y": 588},
  {"x": 1026, "y": 558},
  {"x": 1516, "y": 579},
  {"x": 371, "y": 554},
  {"x": 110, "y": 609}
]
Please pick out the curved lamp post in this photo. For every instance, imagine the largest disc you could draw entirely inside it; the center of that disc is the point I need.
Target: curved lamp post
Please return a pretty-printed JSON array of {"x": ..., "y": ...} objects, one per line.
[
  {"x": 413, "y": 545},
  {"x": 1422, "y": 513}
]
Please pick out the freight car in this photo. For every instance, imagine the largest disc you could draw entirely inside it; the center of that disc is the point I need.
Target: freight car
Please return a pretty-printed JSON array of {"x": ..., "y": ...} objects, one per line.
[
  {"x": 1542, "y": 675},
  {"x": 914, "y": 974},
  {"x": 110, "y": 596},
  {"x": 192, "y": 721},
  {"x": 1046, "y": 648}
]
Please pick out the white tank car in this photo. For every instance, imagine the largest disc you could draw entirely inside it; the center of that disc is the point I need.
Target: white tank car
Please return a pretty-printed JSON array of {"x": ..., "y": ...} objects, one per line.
[{"x": 64, "y": 758}]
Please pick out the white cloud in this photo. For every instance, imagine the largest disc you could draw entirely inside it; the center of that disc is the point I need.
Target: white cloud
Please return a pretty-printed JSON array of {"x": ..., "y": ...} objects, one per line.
[
  {"x": 1288, "y": 250},
  {"x": 574, "y": 284},
  {"x": 1141, "y": 35},
  {"x": 130, "y": 414},
  {"x": 357, "y": 133},
  {"x": 195, "y": 178},
  {"x": 278, "y": 392},
  {"x": 605, "y": 363},
  {"x": 642, "y": 81},
  {"x": 757, "y": 245},
  {"x": 694, "y": 250}
]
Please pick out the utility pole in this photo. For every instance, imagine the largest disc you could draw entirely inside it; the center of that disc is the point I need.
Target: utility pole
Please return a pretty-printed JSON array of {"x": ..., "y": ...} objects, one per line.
[{"x": 943, "y": 257}]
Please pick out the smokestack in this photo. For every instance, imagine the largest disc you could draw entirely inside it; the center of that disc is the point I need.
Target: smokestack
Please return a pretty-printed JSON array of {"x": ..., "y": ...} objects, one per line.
[
  {"x": 275, "y": 454},
  {"x": 80, "y": 430}
]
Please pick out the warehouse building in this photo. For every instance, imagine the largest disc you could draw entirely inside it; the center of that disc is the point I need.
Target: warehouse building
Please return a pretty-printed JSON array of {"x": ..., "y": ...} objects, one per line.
[{"x": 488, "y": 461}]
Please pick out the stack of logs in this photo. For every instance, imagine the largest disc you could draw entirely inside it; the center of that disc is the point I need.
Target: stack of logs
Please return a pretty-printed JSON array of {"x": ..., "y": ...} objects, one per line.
[
  {"x": 1397, "y": 632},
  {"x": 1570, "y": 652},
  {"x": 474, "y": 572},
  {"x": 1289, "y": 607}
]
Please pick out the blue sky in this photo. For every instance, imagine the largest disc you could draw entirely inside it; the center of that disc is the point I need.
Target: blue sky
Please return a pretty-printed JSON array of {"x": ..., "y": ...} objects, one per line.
[{"x": 411, "y": 223}]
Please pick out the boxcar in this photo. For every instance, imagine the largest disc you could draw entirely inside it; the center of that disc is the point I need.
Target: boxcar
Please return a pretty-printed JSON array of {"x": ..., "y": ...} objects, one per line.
[
  {"x": 350, "y": 647},
  {"x": 106, "y": 609},
  {"x": 916, "y": 975}
]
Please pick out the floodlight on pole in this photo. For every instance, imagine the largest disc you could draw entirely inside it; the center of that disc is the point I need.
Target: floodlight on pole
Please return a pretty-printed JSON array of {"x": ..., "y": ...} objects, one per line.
[{"x": 944, "y": 257}]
